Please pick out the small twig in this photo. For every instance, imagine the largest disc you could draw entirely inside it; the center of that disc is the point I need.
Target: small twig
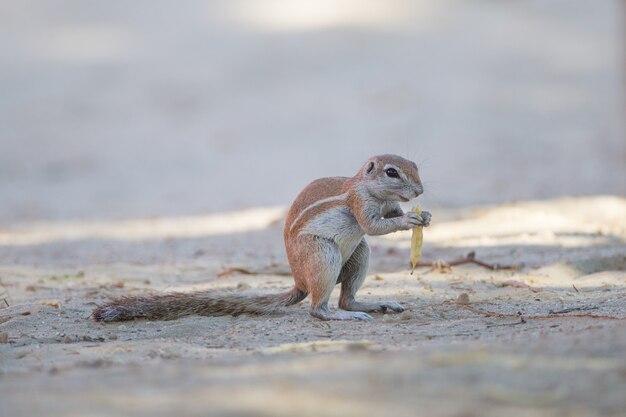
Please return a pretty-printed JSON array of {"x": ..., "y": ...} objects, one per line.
[
  {"x": 586, "y": 316},
  {"x": 4, "y": 294},
  {"x": 573, "y": 286},
  {"x": 231, "y": 271},
  {"x": 550, "y": 315},
  {"x": 569, "y": 310},
  {"x": 488, "y": 313},
  {"x": 521, "y": 321},
  {"x": 236, "y": 270},
  {"x": 469, "y": 259}
]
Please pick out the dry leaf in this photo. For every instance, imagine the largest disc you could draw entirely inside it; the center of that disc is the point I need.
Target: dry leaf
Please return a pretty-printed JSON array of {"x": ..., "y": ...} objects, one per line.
[{"x": 416, "y": 241}]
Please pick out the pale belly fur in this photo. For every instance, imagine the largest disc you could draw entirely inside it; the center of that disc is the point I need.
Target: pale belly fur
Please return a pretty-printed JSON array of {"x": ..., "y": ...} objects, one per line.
[{"x": 339, "y": 225}]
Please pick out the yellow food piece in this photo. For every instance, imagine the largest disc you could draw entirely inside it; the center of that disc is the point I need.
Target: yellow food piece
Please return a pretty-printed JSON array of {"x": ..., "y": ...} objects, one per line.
[{"x": 416, "y": 240}]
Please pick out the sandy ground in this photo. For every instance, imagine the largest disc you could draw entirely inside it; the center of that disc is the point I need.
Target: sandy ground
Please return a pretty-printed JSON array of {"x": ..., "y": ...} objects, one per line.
[
  {"x": 547, "y": 339},
  {"x": 147, "y": 147}
]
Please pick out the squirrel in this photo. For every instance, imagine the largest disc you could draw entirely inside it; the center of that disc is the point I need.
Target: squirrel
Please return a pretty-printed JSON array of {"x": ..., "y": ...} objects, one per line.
[{"x": 324, "y": 238}]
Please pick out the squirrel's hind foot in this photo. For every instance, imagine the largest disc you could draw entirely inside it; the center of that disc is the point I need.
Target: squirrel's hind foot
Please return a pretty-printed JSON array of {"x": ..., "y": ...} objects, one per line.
[
  {"x": 340, "y": 315},
  {"x": 374, "y": 307}
]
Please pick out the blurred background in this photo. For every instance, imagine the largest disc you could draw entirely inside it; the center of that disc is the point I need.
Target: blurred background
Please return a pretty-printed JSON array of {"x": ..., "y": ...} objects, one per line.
[{"x": 115, "y": 110}]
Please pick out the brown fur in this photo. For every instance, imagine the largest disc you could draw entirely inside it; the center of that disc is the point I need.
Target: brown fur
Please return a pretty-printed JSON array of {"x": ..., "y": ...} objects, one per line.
[
  {"x": 315, "y": 191},
  {"x": 301, "y": 222}
]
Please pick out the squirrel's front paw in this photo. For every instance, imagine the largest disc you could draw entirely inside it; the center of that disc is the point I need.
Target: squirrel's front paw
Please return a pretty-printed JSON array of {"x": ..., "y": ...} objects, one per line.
[
  {"x": 411, "y": 220},
  {"x": 426, "y": 216}
]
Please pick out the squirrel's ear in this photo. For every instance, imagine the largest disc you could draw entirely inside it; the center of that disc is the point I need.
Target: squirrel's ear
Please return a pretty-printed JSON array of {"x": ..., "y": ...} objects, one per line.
[{"x": 370, "y": 167}]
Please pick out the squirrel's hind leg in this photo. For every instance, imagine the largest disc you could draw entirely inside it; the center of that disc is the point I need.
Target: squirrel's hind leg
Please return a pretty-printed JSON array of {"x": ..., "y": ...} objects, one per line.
[
  {"x": 351, "y": 278},
  {"x": 320, "y": 265}
]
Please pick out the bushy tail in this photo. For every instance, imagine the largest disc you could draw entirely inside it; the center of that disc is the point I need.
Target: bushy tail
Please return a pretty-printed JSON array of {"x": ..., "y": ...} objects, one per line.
[{"x": 202, "y": 303}]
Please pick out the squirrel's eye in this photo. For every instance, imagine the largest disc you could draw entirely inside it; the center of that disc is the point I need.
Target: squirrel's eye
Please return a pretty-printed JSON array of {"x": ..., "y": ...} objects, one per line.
[{"x": 392, "y": 173}]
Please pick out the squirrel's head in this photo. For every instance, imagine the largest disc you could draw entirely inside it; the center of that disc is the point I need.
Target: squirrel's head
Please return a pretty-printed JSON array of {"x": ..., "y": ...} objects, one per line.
[{"x": 391, "y": 177}]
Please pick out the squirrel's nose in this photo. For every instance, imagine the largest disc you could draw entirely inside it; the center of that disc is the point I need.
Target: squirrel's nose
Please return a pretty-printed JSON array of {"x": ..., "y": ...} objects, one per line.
[{"x": 418, "y": 190}]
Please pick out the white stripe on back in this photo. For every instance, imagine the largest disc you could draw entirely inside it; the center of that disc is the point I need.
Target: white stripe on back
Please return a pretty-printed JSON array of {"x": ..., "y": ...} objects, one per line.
[{"x": 317, "y": 203}]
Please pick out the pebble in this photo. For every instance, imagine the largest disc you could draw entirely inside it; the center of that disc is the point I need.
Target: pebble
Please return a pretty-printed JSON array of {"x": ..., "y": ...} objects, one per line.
[
  {"x": 52, "y": 303},
  {"x": 463, "y": 299},
  {"x": 406, "y": 315}
]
